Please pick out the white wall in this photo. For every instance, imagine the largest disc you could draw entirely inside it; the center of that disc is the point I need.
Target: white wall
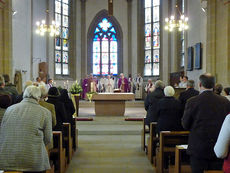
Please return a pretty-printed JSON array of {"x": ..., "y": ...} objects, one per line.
[
  {"x": 21, "y": 39},
  {"x": 39, "y": 42},
  {"x": 26, "y": 44},
  {"x": 197, "y": 33}
]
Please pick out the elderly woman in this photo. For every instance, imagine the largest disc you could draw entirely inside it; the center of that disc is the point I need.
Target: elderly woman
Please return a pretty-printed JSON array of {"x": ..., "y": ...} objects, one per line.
[
  {"x": 169, "y": 112},
  {"x": 26, "y": 130}
]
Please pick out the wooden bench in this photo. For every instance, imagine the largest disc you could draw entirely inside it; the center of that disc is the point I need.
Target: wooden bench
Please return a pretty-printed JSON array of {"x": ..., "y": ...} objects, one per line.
[
  {"x": 68, "y": 140},
  {"x": 167, "y": 144},
  {"x": 179, "y": 167},
  {"x": 144, "y": 131},
  {"x": 58, "y": 152},
  {"x": 152, "y": 142},
  {"x": 75, "y": 137}
]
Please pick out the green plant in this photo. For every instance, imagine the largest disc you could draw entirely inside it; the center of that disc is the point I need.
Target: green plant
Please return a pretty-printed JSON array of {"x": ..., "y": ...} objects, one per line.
[{"x": 75, "y": 88}]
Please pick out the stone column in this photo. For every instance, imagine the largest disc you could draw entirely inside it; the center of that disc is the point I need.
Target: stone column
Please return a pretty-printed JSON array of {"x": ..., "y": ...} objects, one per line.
[
  {"x": 129, "y": 11},
  {"x": 83, "y": 39},
  {"x": 6, "y": 37},
  {"x": 211, "y": 38}
]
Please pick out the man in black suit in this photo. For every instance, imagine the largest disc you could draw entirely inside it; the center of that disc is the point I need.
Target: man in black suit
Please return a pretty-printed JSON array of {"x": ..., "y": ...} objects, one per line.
[
  {"x": 190, "y": 92},
  {"x": 203, "y": 116}
]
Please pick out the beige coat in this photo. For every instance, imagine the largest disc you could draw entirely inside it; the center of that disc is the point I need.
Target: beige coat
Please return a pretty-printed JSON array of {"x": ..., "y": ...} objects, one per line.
[{"x": 25, "y": 131}]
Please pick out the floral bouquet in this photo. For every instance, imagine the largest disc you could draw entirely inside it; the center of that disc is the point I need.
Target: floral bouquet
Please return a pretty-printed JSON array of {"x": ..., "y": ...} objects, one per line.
[
  {"x": 90, "y": 95},
  {"x": 75, "y": 88}
]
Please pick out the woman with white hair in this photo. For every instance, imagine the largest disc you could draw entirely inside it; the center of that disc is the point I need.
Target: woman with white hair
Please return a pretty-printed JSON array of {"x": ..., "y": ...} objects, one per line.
[
  {"x": 169, "y": 112},
  {"x": 26, "y": 129}
]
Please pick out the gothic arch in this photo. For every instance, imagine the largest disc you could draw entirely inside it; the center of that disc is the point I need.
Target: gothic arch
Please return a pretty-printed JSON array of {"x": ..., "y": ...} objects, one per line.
[{"x": 90, "y": 35}]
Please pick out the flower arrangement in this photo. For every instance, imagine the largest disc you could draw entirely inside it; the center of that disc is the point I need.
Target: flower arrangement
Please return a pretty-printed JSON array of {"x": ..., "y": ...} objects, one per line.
[
  {"x": 75, "y": 88},
  {"x": 90, "y": 95}
]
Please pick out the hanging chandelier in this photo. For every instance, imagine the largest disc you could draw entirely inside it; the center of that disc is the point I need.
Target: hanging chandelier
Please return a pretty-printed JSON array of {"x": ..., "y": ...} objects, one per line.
[
  {"x": 43, "y": 28},
  {"x": 172, "y": 23}
]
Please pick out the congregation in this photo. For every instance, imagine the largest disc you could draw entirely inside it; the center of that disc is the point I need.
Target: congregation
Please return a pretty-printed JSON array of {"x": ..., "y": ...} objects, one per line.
[{"x": 201, "y": 112}]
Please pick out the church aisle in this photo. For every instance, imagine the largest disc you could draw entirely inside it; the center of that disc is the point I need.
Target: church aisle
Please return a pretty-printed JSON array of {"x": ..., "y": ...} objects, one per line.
[{"x": 101, "y": 152}]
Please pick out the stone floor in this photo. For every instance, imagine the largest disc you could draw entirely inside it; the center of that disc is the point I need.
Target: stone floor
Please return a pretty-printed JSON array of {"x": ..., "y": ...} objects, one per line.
[{"x": 110, "y": 145}]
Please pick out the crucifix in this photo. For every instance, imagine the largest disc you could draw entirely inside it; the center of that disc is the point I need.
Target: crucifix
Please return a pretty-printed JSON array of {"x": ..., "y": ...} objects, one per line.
[{"x": 110, "y": 7}]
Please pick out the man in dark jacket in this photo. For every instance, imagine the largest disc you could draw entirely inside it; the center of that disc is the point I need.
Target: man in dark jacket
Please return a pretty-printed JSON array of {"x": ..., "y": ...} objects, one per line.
[
  {"x": 203, "y": 116},
  {"x": 152, "y": 100},
  {"x": 190, "y": 92}
]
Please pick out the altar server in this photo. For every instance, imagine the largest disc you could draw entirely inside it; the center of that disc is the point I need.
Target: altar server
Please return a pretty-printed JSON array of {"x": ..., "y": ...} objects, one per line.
[{"x": 109, "y": 84}]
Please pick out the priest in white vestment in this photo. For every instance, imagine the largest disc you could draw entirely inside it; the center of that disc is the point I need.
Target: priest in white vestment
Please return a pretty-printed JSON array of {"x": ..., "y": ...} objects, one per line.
[
  {"x": 102, "y": 84},
  {"x": 109, "y": 85},
  {"x": 138, "y": 82}
]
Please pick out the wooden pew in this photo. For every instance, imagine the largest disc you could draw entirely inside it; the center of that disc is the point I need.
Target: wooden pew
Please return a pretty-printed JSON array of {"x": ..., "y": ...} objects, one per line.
[
  {"x": 168, "y": 142},
  {"x": 179, "y": 168},
  {"x": 152, "y": 142},
  {"x": 75, "y": 137},
  {"x": 58, "y": 152},
  {"x": 68, "y": 140},
  {"x": 144, "y": 131}
]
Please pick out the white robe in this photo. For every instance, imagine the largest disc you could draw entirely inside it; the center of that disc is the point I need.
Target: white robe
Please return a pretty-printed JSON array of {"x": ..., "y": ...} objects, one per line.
[
  {"x": 109, "y": 85},
  {"x": 138, "y": 82},
  {"x": 102, "y": 84}
]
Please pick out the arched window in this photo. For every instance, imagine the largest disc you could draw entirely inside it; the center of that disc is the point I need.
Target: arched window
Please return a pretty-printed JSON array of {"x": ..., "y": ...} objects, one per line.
[
  {"x": 152, "y": 37},
  {"x": 105, "y": 49},
  {"x": 62, "y": 10}
]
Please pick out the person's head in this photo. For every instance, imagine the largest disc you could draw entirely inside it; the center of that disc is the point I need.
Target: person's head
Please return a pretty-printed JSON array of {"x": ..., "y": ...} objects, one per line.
[
  {"x": 5, "y": 101},
  {"x": 6, "y": 78},
  {"x": 181, "y": 78},
  {"x": 185, "y": 78},
  {"x": 64, "y": 94},
  {"x": 207, "y": 81},
  {"x": 28, "y": 83},
  {"x": 44, "y": 91},
  {"x": 149, "y": 81},
  {"x": 122, "y": 75},
  {"x": 169, "y": 91},
  {"x": 227, "y": 91},
  {"x": 108, "y": 76},
  {"x": 38, "y": 79},
  {"x": 159, "y": 84},
  {"x": 190, "y": 84},
  {"x": 32, "y": 92},
  {"x": 50, "y": 81},
  {"x": 138, "y": 75},
  {"x": 2, "y": 84},
  {"x": 53, "y": 91},
  {"x": 218, "y": 89}
]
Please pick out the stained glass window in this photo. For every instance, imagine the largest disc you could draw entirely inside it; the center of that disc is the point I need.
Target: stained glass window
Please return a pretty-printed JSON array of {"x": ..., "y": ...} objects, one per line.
[
  {"x": 152, "y": 37},
  {"x": 105, "y": 49},
  {"x": 62, "y": 40}
]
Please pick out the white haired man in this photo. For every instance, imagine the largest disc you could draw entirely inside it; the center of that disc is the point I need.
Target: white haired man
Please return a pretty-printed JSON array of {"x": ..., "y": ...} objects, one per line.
[{"x": 25, "y": 131}]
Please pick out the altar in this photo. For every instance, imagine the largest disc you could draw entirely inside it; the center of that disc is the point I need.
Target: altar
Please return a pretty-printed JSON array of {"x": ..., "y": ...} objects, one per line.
[{"x": 113, "y": 104}]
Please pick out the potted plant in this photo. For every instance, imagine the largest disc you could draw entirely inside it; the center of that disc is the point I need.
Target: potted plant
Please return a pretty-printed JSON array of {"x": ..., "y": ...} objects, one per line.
[{"x": 75, "y": 91}]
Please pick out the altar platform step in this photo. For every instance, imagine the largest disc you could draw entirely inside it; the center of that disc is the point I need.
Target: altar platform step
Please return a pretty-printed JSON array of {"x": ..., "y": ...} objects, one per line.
[{"x": 128, "y": 104}]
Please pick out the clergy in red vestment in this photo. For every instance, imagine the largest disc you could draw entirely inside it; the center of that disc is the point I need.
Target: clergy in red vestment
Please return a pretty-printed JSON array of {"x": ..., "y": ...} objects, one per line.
[{"x": 123, "y": 83}]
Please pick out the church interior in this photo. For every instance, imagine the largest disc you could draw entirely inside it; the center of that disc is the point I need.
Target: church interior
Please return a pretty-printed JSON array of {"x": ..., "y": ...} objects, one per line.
[{"x": 114, "y": 86}]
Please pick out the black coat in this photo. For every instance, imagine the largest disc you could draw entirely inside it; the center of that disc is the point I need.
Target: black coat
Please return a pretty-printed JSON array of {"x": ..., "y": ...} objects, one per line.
[
  {"x": 203, "y": 116},
  {"x": 169, "y": 114},
  {"x": 151, "y": 103},
  {"x": 185, "y": 95},
  {"x": 60, "y": 111},
  {"x": 69, "y": 108}
]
